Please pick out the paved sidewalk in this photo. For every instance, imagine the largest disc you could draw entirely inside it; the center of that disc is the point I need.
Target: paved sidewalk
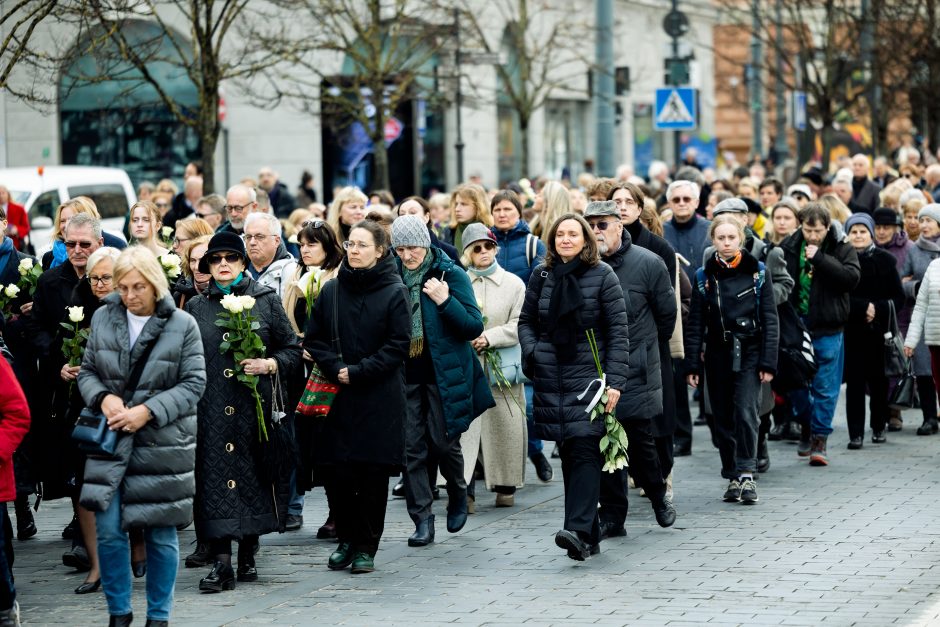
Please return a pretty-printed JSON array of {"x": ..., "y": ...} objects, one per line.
[{"x": 857, "y": 543}]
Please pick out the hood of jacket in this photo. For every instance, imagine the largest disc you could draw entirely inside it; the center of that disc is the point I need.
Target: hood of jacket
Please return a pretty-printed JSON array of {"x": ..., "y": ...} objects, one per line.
[
  {"x": 899, "y": 240},
  {"x": 926, "y": 244},
  {"x": 748, "y": 265}
]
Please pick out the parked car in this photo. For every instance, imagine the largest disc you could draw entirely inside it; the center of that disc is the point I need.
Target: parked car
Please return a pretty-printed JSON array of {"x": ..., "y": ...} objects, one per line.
[{"x": 42, "y": 189}]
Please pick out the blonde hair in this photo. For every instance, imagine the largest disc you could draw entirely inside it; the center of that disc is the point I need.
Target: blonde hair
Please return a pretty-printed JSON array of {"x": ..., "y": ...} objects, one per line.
[
  {"x": 167, "y": 186},
  {"x": 749, "y": 182},
  {"x": 722, "y": 219},
  {"x": 649, "y": 217},
  {"x": 555, "y": 202},
  {"x": 79, "y": 204},
  {"x": 890, "y": 196},
  {"x": 476, "y": 196},
  {"x": 187, "y": 252},
  {"x": 194, "y": 227},
  {"x": 344, "y": 196},
  {"x": 837, "y": 209},
  {"x": 156, "y": 220},
  {"x": 141, "y": 259}
]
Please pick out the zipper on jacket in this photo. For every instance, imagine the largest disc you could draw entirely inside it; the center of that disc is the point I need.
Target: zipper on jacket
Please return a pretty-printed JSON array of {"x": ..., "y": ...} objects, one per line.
[{"x": 721, "y": 315}]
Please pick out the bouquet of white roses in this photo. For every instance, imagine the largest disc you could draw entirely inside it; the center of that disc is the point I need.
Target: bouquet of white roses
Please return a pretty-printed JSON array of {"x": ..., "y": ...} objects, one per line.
[
  {"x": 73, "y": 348},
  {"x": 7, "y": 295},
  {"x": 172, "y": 266},
  {"x": 240, "y": 338},
  {"x": 614, "y": 442},
  {"x": 166, "y": 236},
  {"x": 29, "y": 275}
]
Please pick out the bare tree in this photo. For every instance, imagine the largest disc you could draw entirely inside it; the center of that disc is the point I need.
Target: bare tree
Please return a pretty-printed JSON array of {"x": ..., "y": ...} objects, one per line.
[
  {"x": 17, "y": 25},
  {"x": 207, "y": 53},
  {"x": 364, "y": 58},
  {"x": 542, "y": 50}
]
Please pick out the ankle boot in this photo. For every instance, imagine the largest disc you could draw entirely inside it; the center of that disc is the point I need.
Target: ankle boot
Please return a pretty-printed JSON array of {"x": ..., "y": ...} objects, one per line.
[
  {"x": 25, "y": 523},
  {"x": 246, "y": 564},
  {"x": 929, "y": 427},
  {"x": 818, "y": 456},
  {"x": 763, "y": 455},
  {"x": 200, "y": 557},
  {"x": 220, "y": 578},
  {"x": 424, "y": 534},
  {"x": 120, "y": 621}
]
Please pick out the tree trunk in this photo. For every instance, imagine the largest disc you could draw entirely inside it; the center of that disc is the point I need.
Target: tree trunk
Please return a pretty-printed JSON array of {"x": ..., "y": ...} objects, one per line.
[
  {"x": 208, "y": 128},
  {"x": 524, "y": 143},
  {"x": 380, "y": 179},
  {"x": 826, "y": 144}
]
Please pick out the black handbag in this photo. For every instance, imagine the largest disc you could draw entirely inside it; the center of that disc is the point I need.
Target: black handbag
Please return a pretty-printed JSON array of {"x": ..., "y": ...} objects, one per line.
[
  {"x": 91, "y": 429},
  {"x": 896, "y": 364},
  {"x": 905, "y": 395},
  {"x": 277, "y": 454}
]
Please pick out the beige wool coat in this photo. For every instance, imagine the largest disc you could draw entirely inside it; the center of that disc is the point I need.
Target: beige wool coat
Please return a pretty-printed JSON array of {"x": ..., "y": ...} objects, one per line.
[{"x": 499, "y": 436}]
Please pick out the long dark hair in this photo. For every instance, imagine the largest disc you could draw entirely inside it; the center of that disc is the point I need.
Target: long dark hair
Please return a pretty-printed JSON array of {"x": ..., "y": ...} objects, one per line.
[
  {"x": 319, "y": 231},
  {"x": 590, "y": 255}
]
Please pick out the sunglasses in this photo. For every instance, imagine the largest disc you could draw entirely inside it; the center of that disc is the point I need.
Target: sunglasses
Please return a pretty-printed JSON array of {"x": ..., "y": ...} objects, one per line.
[
  {"x": 316, "y": 224},
  {"x": 229, "y": 258},
  {"x": 600, "y": 225},
  {"x": 82, "y": 245},
  {"x": 682, "y": 199},
  {"x": 479, "y": 248}
]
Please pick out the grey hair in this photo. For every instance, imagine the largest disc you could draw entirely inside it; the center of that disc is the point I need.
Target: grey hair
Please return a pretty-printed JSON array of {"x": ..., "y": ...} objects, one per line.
[
  {"x": 84, "y": 219},
  {"x": 102, "y": 253},
  {"x": 677, "y": 184},
  {"x": 274, "y": 225},
  {"x": 244, "y": 189},
  {"x": 688, "y": 173}
]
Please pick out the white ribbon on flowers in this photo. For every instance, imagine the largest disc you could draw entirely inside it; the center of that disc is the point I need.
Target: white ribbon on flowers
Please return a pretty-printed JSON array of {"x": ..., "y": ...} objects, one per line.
[{"x": 597, "y": 396}]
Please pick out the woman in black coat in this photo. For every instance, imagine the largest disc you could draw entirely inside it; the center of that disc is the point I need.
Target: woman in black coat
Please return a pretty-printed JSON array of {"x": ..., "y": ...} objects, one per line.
[
  {"x": 734, "y": 321},
  {"x": 361, "y": 442},
  {"x": 569, "y": 294},
  {"x": 869, "y": 316},
  {"x": 237, "y": 497}
]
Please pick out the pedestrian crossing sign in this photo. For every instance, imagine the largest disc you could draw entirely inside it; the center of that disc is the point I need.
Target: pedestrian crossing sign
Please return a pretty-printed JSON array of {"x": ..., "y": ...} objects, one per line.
[{"x": 676, "y": 109}]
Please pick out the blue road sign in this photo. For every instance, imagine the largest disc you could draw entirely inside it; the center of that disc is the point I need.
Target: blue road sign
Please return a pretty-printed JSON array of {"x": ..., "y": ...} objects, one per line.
[
  {"x": 675, "y": 109},
  {"x": 799, "y": 110}
]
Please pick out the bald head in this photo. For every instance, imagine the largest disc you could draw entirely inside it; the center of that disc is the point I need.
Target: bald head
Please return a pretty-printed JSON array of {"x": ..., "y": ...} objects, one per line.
[{"x": 860, "y": 166}]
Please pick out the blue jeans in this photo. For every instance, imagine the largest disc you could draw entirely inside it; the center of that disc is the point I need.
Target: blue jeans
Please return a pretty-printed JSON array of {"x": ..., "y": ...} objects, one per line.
[
  {"x": 535, "y": 444},
  {"x": 114, "y": 556},
  {"x": 295, "y": 507},
  {"x": 816, "y": 405}
]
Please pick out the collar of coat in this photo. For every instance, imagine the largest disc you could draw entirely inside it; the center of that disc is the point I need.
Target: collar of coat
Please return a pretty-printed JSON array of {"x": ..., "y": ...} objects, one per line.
[
  {"x": 497, "y": 277},
  {"x": 748, "y": 265}
]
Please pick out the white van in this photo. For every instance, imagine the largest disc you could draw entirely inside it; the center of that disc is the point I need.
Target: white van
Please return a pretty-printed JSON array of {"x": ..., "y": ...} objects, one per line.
[{"x": 42, "y": 189}]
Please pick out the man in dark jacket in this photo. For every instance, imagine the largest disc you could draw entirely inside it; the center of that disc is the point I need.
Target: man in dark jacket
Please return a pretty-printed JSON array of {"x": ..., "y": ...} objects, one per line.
[
  {"x": 825, "y": 271},
  {"x": 651, "y": 311},
  {"x": 687, "y": 232},
  {"x": 281, "y": 201},
  {"x": 864, "y": 190}
]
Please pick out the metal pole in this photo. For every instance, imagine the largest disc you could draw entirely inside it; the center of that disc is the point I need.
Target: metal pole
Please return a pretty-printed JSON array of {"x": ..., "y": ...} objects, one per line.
[
  {"x": 757, "y": 96},
  {"x": 604, "y": 86},
  {"x": 780, "y": 141},
  {"x": 866, "y": 44},
  {"x": 225, "y": 152},
  {"x": 676, "y": 135},
  {"x": 458, "y": 100}
]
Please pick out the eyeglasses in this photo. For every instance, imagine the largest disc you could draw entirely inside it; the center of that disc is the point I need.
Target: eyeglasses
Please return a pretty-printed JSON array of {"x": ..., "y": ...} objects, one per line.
[
  {"x": 231, "y": 208},
  {"x": 315, "y": 224},
  {"x": 205, "y": 215},
  {"x": 161, "y": 205},
  {"x": 257, "y": 238},
  {"x": 682, "y": 199},
  {"x": 228, "y": 258},
  {"x": 100, "y": 280},
  {"x": 600, "y": 225},
  {"x": 621, "y": 202},
  {"x": 479, "y": 248},
  {"x": 180, "y": 240},
  {"x": 357, "y": 245},
  {"x": 82, "y": 245}
]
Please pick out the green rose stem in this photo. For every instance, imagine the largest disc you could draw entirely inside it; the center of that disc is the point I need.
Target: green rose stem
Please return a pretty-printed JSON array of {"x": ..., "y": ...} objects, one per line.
[
  {"x": 245, "y": 344},
  {"x": 494, "y": 363},
  {"x": 614, "y": 443}
]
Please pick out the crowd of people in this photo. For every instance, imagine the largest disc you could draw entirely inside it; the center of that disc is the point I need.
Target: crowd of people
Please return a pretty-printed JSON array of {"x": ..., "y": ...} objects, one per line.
[{"x": 238, "y": 352}]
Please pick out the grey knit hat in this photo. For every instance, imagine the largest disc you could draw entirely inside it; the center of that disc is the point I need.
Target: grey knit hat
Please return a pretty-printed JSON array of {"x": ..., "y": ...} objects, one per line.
[
  {"x": 474, "y": 233},
  {"x": 931, "y": 211},
  {"x": 730, "y": 205},
  {"x": 597, "y": 208},
  {"x": 410, "y": 230}
]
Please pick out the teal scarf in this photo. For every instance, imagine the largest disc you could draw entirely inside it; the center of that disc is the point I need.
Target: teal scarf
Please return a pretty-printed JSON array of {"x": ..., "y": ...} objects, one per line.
[
  {"x": 413, "y": 281},
  {"x": 227, "y": 289},
  {"x": 490, "y": 271}
]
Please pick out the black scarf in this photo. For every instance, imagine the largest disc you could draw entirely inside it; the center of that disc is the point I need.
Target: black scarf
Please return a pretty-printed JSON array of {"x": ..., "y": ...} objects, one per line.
[{"x": 564, "y": 308}]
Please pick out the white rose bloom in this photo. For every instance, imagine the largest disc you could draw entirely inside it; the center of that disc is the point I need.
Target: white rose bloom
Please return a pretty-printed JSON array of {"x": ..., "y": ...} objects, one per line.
[
  {"x": 11, "y": 290},
  {"x": 170, "y": 259},
  {"x": 167, "y": 232},
  {"x": 76, "y": 314},
  {"x": 232, "y": 303},
  {"x": 247, "y": 302},
  {"x": 25, "y": 266}
]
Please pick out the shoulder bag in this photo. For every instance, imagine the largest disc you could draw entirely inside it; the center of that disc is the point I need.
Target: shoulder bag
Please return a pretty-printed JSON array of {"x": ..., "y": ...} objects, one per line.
[
  {"x": 895, "y": 361},
  {"x": 91, "y": 429},
  {"x": 319, "y": 393}
]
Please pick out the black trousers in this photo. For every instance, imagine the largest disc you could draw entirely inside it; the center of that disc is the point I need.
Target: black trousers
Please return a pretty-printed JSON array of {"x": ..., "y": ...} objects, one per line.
[
  {"x": 683, "y": 436},
  {"x": 581, "y": 468},
  {"x": 865, "y": 371},
  {"x": 358, "y": 495},
  {"x": 928, "y": 397},
  {"x": 644, "y": 468},
  {"x": 223, "y": 546},
  {"x": 735, "y": 402}
]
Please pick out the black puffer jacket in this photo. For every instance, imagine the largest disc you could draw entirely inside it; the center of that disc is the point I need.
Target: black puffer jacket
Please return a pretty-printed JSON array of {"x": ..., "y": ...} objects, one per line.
[
  {"x": 651, "y": 310},
  {"x": 558, "y": 413},
  {"x": 154, "y": 468},
  {"x": 365, "y": 424},
  {"x": 729, "y": 307},
  {"x": 234, "y": 499},
  {"x": 835, "y": 273},
  {"x": 879, "y": 285}
]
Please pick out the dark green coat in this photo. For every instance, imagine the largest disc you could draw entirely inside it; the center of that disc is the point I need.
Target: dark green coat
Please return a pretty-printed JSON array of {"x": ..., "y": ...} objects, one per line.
[{"x": 448, "y": 330}]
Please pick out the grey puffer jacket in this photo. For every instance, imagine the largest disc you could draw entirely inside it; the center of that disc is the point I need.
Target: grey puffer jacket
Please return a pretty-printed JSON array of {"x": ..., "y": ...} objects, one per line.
[
  {"x": 154, "y": 467},
  {"x": 558, "y": 414}
]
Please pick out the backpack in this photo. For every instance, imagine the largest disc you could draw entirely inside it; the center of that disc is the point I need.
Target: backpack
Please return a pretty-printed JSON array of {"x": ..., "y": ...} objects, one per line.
[
  {"x": 531, "y": 248},
  {"x": 796, "y": 359}
]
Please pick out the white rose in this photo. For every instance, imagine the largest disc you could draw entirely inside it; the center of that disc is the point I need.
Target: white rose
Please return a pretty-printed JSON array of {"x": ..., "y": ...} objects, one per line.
[
  {"x": 76, "y": 314},
  {"x": 11, "y": 290},
  {"x": 170, "y": 260},
  {"x": 166, "y": 231},
  {"x": 232, "y": 303},
  {"x": 247, "y": 302},
  {"x": 25, "y": 266}
]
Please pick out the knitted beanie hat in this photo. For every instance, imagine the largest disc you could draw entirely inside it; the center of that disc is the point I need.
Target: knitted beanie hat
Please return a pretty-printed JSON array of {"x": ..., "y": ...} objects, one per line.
[{"x": 410, "y": 230}]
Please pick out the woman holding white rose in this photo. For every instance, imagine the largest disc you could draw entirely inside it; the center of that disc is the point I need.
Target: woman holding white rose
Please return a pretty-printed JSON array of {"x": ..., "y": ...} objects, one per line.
[
  {"x": 145, "y": 225},
  {"x": 500, "y": 432},
  {"x": 236, "y": 499}
]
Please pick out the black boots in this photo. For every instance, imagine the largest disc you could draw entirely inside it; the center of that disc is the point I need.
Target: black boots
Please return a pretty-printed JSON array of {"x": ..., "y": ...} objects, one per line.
[
  {"x": 124, "y": 620},
  {"x": 457, "y": 511},
  {"x": 200, "y": 557},
  {"x": 25, "y": 523},
  {"x": 763, "y": 455},
  {"x": 929, "y": 427},
  {"x": 246, "y": 564},
  {"x": 220, "y": 578},
  {"x": 424, "y": 534}
]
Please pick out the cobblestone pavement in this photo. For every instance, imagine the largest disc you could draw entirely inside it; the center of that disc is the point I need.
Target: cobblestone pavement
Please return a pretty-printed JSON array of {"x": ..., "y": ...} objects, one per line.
[{"x": 857, "y": 543}]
